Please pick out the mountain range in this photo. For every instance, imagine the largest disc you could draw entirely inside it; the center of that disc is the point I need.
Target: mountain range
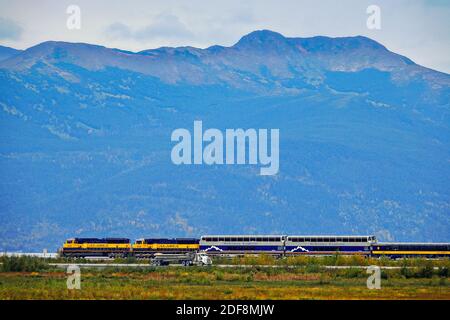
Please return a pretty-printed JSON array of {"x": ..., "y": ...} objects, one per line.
[{"x": 85, "y": 141}]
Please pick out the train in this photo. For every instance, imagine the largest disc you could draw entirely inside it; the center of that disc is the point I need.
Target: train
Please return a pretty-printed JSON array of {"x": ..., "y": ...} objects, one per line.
[
  {"x": 230, "y": 245},
  {"x": 143, "y": 248},
  {"x": 96, "y": 247}
]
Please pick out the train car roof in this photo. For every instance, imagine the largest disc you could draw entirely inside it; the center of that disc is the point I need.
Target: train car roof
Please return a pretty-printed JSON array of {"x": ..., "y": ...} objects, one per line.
[
  {"x": 412, "y": 243},
  {"x": 101, "y": 238},
  {"x": 330, "y": 236},
  {"x": 283, "y": 235},
  {"x": 168, "y": 238},
  {"x": 245, "y": 235}
]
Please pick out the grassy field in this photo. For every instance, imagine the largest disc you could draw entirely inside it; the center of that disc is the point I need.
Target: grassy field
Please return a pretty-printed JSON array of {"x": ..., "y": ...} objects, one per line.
[{"x": 34, "y": 279}]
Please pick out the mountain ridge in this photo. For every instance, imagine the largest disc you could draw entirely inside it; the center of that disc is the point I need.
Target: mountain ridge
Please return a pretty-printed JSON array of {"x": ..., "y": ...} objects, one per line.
[
  {"x": 8, "y": 52},
  {"x": 312, "y": 46},
  {"x": 85, "y": 141}
]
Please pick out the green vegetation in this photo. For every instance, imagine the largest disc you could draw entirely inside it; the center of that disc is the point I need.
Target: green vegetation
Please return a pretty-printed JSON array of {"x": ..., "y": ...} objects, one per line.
[
  {"x": 293, "y": 278},
  {"x": 335, "y": 260},
  {"x": 24, "y": 263}
]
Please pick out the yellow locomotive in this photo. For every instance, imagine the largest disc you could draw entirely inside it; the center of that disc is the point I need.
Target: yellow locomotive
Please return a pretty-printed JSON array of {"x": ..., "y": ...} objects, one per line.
[
  {"x": 103, "y": 247},
  {"x": 121, "y": 247},
  {"x": 148, "y": 247}
]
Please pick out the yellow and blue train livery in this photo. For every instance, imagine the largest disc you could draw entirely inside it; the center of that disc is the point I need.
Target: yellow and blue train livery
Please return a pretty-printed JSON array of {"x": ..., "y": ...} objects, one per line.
[
  {"x": 250, "y": 244},
  {"x": 148, "y": 247},
  {"x": 327, "y": 245},
  {"x": 103, "y": 247},
  {"x": 405, "y": 249}
]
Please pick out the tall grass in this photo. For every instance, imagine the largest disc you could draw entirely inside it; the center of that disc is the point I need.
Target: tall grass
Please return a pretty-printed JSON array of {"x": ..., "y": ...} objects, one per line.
[
  {"x": 23, "y": 264},
  {"x": 332, "y": 260}
]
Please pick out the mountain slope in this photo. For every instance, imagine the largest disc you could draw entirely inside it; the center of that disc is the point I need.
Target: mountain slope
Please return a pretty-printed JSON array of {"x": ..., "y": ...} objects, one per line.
[
  {"x": 85, "y": 141},
  {"x": 7, "y": 52}
]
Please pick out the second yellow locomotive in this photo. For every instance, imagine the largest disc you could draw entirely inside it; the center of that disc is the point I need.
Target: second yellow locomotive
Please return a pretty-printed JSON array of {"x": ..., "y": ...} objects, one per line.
[{"x": 148, "y": 247}]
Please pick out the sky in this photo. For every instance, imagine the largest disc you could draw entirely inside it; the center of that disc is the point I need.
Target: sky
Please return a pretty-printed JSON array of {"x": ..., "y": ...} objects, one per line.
[{"x": 418, "y": 29}]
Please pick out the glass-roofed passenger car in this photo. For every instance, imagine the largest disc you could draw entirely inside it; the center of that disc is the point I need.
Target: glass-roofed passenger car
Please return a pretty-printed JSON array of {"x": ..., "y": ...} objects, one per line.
[
  {"x": 242, "y": 244},
  {"x": 326, "y": 245},
  {"x": 96, "y": 247}
]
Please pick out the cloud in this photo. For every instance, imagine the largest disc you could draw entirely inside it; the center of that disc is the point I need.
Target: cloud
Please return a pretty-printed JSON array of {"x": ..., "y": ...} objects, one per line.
[
  {"x": 118, "y": 31},
  {"x": 164, "y": 26},
  {"x": 9, "y": 30}
]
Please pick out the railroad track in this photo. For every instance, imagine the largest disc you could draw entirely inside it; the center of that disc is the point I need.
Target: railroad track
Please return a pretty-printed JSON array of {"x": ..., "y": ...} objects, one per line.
[{"x": 147, "y": 265}]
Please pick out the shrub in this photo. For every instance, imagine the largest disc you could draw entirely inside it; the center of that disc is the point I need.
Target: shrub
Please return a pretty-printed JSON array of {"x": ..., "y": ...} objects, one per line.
[
  {"x": 219, "y": 275},
  {"x": 130, "y": 259},
  {"x": 443, "y": 272},
  {"x": 352, "y": 272},
  {"x": 312, "y": 268},
  {"x": 23, "y": 264},
  {"x": 425, "y": 272},
  {"x": 406, "y": 272},
  {"x": 357, "y": 260}
]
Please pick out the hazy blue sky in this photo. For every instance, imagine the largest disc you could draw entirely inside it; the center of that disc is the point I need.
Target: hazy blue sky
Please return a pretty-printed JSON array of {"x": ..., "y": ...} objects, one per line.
[{"x": 418, "y": 29}]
